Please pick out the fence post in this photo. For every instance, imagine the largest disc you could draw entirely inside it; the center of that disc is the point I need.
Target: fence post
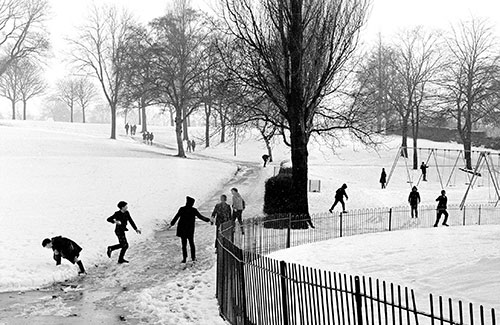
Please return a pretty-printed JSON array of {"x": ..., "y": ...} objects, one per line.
[
  {"x": 284, "y": 298},
  {"x": 464, "y": 215},
  {"x": 390, "y": 219},
  {"x": 288, "y": 230},
  {"x": 358, "y": 297},
  {"x": 479, "y": 219},
  {"x": 340, "y": 224}
]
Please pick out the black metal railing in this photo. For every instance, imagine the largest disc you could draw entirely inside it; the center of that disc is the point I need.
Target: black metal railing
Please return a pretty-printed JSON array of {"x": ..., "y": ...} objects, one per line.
[{"x": 255, "y": 289}]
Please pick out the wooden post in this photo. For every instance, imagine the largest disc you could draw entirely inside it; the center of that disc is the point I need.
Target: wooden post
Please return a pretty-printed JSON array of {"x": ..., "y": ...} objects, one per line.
[
  {"x": 284, "y": 298},
  {"x": 479, "y": 219},
  {"x": 464, "y": 215},
  {"x": 340, "y": 224},
  {"x": 288, "y": 230}
]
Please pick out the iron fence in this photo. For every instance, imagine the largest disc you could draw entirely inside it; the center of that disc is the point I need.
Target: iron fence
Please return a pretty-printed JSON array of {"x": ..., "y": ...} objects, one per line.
[{"x": 255, "y": 289}]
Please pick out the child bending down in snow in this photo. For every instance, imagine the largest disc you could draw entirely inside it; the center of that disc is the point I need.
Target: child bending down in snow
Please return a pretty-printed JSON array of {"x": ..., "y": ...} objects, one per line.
[{"x": 64, "y": 248}]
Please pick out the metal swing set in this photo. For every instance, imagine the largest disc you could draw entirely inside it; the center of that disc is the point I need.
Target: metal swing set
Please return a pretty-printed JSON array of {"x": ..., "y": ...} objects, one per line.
[{"x": 483, "y": 167}]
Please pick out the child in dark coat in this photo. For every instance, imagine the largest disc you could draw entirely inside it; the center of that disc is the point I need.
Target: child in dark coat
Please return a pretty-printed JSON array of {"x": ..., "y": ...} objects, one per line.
[
  {"x": 120, "y": 218},
  {"x": 414, "y": 200},
  {"x": 339, "y": 197},
  {"x": 185, "y": 229},
  {"x": 441, "y": 209},
  {"x": 383, "y": 178},
  {"x": 64, "y": 248}
]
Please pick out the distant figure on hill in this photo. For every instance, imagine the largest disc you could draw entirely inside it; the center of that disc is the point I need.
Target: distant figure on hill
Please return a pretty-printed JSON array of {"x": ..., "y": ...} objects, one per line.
[
  {"x": 266, "y": 159},
  {"x": 383, "y": 178},
  {"x": 126, "y": 128},
  {"x": 64, "y": 248},
  {"x": 120, "y": 219},
  {"x": 188, "y": 148},
  {"x": 339, "y": 197},
  {"x": 423, "y": 168},
  {"x": 238, "y": 207},
  {"x": 414, "y": 200},
  {"x": 133, "y": 129},
  {"x": 151, "y": 137},
  {"x": 185, "y": 229},
  {"x": 441, "y": 209},
  {"x": 193, "y": 145}
]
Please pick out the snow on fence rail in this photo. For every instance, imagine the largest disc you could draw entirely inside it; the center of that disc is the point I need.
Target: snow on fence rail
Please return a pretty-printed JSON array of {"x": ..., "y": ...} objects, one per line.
[{"x": 254, "y": 289}]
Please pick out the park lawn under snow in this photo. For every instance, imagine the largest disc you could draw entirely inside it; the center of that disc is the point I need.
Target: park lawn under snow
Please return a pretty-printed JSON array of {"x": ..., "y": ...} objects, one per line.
[
  {"x": 58, "y": 180},
  {"x": 456, "y": 262}
]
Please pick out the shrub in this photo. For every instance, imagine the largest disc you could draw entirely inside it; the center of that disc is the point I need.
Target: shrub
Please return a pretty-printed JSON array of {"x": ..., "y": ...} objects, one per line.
[{"x": 278, "y": 203}]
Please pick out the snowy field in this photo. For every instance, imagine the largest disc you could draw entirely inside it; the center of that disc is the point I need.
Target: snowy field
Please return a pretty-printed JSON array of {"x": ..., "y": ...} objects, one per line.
[
  {"x": 58, "y": 180},
  {"x": 456, "y": 262}
]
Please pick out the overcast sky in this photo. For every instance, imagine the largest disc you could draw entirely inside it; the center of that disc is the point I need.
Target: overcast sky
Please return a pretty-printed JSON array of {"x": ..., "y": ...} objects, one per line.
[{"x": 386, "y": 17}]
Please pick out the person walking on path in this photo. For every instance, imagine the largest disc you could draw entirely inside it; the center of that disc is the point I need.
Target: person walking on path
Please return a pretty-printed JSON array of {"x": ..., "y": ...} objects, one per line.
[
  {"x": 414, "y": 200},
  {"x": 64, "y": 248},
  {"x": 188, "y": 148},
  {"x": 222, "y": 213},
  {"x": 238, "y": 207},
  {"x": 193, "y": 145},
  {"x": 266, "y": 159},
  {"x": 185, "y": 229},
  {"x": 120, "y": 218},
  {"x": 339, "y": 197},
  {"x": 441, "y": 209},
  {"x": 423, "y": 168},
  {"x": 151, "y": 137},
  {"x": 383, "y": 178},
  {"x": 126, "y": 129}
]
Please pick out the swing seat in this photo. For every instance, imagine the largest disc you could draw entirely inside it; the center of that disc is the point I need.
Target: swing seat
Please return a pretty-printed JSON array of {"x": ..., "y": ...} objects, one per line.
[{"x": 470, "y": 171}]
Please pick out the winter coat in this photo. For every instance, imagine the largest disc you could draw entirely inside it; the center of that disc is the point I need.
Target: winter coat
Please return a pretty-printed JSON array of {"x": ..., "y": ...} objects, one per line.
[
  {"x": 123, "y": 217},
  {"x": 383, "y": 177},
  {"x": 187, "y": 216},
  {"x": 424, "y": 168},
  {"x": 238, "y": 202},
  {"x": 339, "y": 195},
  {"x": 414, "y": 198},
  {"x": 222, "y": 213},
  {"x": 442, "y": 202},
  {"x": 66, "y": 248}
]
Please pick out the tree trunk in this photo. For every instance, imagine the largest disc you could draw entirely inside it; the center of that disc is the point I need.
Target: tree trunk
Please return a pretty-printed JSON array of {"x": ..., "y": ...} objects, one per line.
[
  {"x": 144, "y": 119},
  {"x": 298, "y": 142},
  {"x": 178, "y": 132},
  {"x": 24, "y": 108},
  {"x": 269, "y": 149},
  {"x": 234, "y": 140},
  {"x": 404, "y": 137},
  {"x": 125, "y": 116},
  {"x": 140, "y": 115},
  {"x": 208, "y": 111},
  {"x": 185, "y": 124},
  {"x": 113, "y": 121},
  {"x": 172, "y": 119},
  {"x": 13, "y": 109},
  {"x": 83, "y": 114},
  {"x": 222, "y": 128}
]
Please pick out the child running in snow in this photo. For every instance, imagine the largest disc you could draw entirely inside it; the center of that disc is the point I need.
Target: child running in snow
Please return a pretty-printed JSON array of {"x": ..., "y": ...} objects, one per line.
[
  {"x": 120, "y": 218},
  {"x": 64, "y": 248},
  {"x": 441, "y": 209},
  {"x": 339, "y": 197}
]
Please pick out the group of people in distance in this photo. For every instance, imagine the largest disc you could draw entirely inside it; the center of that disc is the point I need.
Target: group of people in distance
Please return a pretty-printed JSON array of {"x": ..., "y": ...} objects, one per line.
[
  {"x": 185, "y": 217},
  {"x": 191, "y": 145},
  {"x": 383, "y": 174},
  {"x": 132, "y": 128},
  {"x": 148, "y": 137}
]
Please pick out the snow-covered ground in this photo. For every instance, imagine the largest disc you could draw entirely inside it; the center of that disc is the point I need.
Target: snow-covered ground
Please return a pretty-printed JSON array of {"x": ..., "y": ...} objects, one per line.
[
  {"x": 61, "y": 181},
  {"x": 62, "y": 178},
  {"x": 456, "y": 262}
]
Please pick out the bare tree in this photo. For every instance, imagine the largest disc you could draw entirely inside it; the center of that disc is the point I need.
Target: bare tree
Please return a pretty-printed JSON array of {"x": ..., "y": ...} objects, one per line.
[
  {"x": 9, "y": 86},
  {"x": 178, "y": 46},
  {"x": 294, "y": 52},
  {"x": 30, "y": 82},
  {"x": 471, "y": 77},
  {"x": 85, "y": 92},
  {"x": 67, "y": 92},
  {"x": 415, "y": 66},
  {"x": 99, "y": 49},
  {"x": 22, "y": 30}
]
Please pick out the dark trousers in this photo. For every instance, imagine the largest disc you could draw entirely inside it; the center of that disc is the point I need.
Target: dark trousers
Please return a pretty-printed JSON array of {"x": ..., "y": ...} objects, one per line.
[
  {"x": 383, "y": 185},
  {"x": 237, "y": 216},
  {"x": 424, "y": 177},
  {"x": 438, "y": 216},
  {"x": 414, "y": 210},
  {"x": 123, "y": 244},
  {"x": 337, "y": 201},
  {"x": 184, "y": 241}
]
